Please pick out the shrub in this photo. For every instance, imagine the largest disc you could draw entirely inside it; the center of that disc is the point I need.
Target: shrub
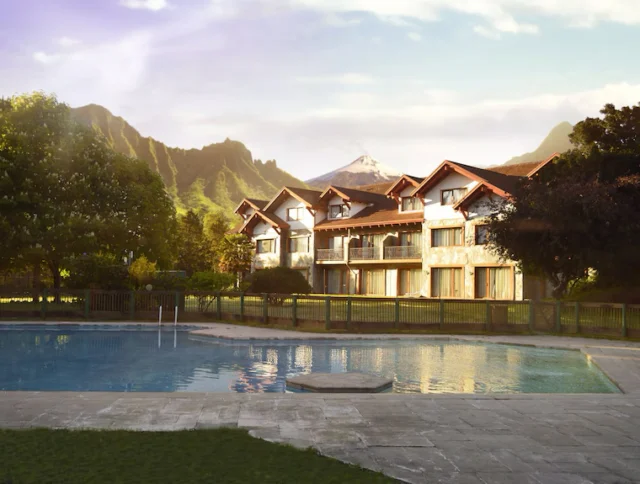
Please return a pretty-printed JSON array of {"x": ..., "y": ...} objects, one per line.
[
  {"x": 97, "y": 271},
  {"x": 211, "y": 281},
  {"x": 279, "y": 280}
]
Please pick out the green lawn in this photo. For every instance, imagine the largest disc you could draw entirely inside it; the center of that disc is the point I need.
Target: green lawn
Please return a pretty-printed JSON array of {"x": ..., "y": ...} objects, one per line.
[{"x": 200, "y": 456}]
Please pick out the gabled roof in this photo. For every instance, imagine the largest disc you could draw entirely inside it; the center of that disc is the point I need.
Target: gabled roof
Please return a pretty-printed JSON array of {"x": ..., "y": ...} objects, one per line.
[
  {"x": 479, "y": 191},
  {"x": 380, "y": 188},
  {"x": 523, "y": 169},
  {"x": 309, "y": 198},
  {"x": 251, "y": 202},
  {"x": 354, "y": 195},
  {"x": 270, "y": 218},
  {"x": 543, "y": 164},
  {"x": 372, "y": 217},
  {"x": 403, "y": 182},
  {"x": 517, "y": 169},
  {"x": 501, "y": 184}
]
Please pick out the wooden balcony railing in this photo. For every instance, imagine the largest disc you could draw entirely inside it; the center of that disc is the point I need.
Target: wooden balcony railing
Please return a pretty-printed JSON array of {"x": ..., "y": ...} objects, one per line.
[
  {"x": 364, "y": 253},
  {"x": 330, "y": 254},
  {"x": 403, "y": 252}
]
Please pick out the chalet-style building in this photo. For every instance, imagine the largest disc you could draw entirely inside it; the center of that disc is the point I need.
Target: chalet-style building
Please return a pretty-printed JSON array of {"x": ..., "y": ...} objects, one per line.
[{"x": 413, "y": 237}]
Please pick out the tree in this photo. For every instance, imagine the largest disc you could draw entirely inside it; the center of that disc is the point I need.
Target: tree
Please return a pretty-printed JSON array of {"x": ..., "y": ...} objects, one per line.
[
  {"x": 142, "y": 271},
  {"x": 278, "y": 281},
  {"x": 209, "y": 281},
  {"x": 194, "y": 251},
  {"x": 66, "y": 193},
  {"x": 217, "y": 226},
  {"x": 236, "y": 254},
  {"x": 579, "y": 213}
]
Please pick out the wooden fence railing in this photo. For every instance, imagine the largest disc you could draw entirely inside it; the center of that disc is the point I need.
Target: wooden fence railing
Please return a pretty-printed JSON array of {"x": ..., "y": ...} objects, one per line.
[{"x": 350, "y": 313}]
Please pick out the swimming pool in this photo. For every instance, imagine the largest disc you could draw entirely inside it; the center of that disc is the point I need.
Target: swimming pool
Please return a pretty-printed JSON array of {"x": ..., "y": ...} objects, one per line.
[{"x": 78, "y": 358}]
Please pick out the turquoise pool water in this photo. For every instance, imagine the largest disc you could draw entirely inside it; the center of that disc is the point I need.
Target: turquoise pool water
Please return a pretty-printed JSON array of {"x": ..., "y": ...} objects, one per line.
[{"x": 94, "y": 358}]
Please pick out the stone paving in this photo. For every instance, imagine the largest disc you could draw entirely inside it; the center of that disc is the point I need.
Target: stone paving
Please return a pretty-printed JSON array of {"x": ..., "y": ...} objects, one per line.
[{"x": 527, "y": 438}]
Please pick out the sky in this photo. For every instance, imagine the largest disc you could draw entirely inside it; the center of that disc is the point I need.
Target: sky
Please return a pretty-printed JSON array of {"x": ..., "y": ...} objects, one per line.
[{"x": 314, "y": 84}]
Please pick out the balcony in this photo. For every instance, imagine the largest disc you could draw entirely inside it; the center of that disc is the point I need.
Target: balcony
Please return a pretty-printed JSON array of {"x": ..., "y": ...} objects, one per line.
[
  {"x": 364, "y": 253},
  {"x": 330, "y": 254},
  {"x": 403, "y": 252}
]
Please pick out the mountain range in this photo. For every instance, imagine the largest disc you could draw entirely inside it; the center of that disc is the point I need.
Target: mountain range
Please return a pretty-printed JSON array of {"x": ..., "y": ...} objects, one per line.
[
  {"x": 362, "y": 171},
  {"x": 216, "y": 177},
  {"x": 220, "y": 175},
  {"x": 557, "y": 141}
]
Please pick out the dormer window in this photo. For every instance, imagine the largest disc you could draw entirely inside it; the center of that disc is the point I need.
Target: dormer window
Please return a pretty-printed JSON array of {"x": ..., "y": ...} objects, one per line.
[
  {"x": 410, "y": 204},
  {"x": 339, "y": 211},
  {"x": 452, "y": 196}
]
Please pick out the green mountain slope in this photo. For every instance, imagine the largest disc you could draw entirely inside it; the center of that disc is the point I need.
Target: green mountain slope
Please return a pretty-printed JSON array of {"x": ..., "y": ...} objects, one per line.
[
  {"x": 215, "y": 177},
  {"x": 557, "y": 141}
]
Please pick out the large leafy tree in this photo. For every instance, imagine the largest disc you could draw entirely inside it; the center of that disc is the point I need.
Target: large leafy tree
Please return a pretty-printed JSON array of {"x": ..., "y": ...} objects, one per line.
[
  {"x": 580, "y": 212},
  {"x": 65, "y": 193},
  {"x": 236, "y": 254},
  {"x": 194, "y": 248}
]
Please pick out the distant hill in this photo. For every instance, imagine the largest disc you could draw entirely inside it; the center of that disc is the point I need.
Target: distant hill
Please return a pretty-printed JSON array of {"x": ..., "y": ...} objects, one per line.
[
  {"x": 215, "y": 177},
  {"x": 557, "y": 141},
  {"x": 363, "y": 171}
]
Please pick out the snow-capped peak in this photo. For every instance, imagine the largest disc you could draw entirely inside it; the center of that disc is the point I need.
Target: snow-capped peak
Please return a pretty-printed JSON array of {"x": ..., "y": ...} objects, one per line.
[
  {"x": 367, "y": 164},
  {"x": 362, "y": 171}
]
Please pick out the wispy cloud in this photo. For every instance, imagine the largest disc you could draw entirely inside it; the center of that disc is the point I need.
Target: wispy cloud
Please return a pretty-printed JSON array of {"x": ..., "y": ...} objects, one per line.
[
  {"x": 68, "y": 42},
  {"x": 44, "y": 58},
  {"x": 487, "y": 32},
  {"x": 500, "y": 15},
  {"x": 153, "y": 5},
  {"x": 349, "y": 79},
  {"x": 415, "y": 36}
]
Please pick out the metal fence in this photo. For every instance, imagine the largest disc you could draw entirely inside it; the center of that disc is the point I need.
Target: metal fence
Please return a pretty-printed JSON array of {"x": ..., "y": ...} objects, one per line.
[{"x": 351, "y": 313}]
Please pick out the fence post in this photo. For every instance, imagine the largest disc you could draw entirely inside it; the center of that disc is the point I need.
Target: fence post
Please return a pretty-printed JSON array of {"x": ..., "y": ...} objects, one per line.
[
  {"x": 558, "y": 317},
  {"x": 218, "y": 305},
  {"x": 577, "y": 317},
  {"x": 441, "y": 313},
  {"x": 487, "y": 324},
  {"x": 294, "y": 310},
  {"x": 348, "y": 318},
  {"x": 624, "y": 320},
  {"x": 265, "y": 308},
  {"x": 532, "y": 315},
  {"x": 132, "y": 305},
  {"x": 327, "y": 312},
  {"x": 396, "y": 323},
  {"x": 43, "y": 306},
  {"x": 242, "y": 306},
  {"x": 87, "y": 301}
]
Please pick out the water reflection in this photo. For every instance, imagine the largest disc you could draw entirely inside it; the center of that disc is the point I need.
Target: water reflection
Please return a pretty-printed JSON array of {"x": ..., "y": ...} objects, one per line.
[{"x": 169, "y": 360}]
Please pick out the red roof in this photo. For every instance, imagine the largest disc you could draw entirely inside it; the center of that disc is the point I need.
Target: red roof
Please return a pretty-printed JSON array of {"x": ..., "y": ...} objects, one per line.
[
  {"x": 372, "y": 217},
  {"x": 309, "y": 198}
]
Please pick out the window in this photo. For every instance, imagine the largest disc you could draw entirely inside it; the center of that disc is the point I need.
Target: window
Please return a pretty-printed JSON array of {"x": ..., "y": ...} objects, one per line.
[
  {"x": 299, "y": 244},
  {"x": 338, "y": 211},
  {"x": 410, "y": 282},
  {"x": 266, "y": 246},
  {"x": 410, "y": 239},
  {"x": 446, "y": 282},
  {"x": 336, "y": 242},
  {"x": 295, "y": 213},
  {"x": 446, "y": 237},
  {"x": 411, "y": 204},
  {"x": 482, "y": 234},
  {"x": 452, "y": 196},
  {"x": 336, "y": 281},
  {"x": 493, "y": 282},
  {"x": 372, "y": 282}
]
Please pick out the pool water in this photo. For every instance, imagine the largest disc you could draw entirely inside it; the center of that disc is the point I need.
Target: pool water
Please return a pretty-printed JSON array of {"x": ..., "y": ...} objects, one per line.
[{"x": 134, "y": 360}]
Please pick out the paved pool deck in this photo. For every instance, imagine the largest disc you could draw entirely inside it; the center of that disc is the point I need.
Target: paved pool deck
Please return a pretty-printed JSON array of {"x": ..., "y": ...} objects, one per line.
[{"x": 525, "y": 438}]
